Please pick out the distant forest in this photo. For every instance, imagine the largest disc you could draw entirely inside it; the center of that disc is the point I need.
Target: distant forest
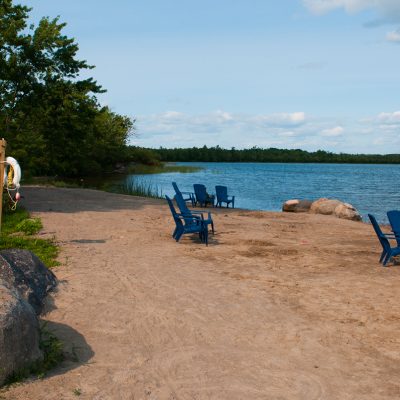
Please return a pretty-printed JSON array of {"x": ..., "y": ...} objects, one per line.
[{"x": 255, "y": 154}]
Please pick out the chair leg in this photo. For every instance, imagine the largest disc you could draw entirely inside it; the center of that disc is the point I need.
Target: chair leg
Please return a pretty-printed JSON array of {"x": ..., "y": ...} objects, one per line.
[
  {"x": 387, "y": 259},
  {"x": 382, "y": 256},
  {"x": 178, "y": 235},
  {"x": 174, "y": 233}
]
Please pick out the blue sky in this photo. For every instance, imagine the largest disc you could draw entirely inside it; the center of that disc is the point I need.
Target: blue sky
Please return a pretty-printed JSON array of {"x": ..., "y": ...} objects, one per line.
[{"x": 310, "y": 74}]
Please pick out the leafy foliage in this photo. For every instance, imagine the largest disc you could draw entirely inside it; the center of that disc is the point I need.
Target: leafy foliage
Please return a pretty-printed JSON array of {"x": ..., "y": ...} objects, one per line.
[{"x": 51, "y": 119}]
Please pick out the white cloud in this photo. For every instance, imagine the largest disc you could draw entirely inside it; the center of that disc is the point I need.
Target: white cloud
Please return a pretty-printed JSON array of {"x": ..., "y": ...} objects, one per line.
[
  {"x": 224, "y": 116},
  {"x": 297, "y": 117},
  {"x": 393, "y": 36},
  {"x": 387, "y": 8},
  {"x": 172, "y": 115},
  {"x": 281, "y": 118},
  {"x": 388, "y": 11},
  {"x": 351, "y": 6},
  {"x": 332, "y": 132},
  {"x": 389, "y": 118}
]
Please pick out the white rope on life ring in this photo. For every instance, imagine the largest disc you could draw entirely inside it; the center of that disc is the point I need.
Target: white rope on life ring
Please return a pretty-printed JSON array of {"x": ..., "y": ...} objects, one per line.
[{"x": 12, "y": 162}]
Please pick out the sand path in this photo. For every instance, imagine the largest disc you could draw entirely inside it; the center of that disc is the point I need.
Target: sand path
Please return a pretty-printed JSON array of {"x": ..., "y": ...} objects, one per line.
[{"x": 278, "y": 306}]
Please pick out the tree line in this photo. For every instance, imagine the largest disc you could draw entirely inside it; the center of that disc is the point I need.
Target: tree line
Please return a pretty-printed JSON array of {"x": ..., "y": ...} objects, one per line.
[{"x": 256, "y": 154}]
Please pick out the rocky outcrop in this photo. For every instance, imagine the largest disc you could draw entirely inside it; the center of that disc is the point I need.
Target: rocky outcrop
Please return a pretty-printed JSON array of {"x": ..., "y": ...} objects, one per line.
[
  {"x": 323, "y": 206},
  {"x": 297, "y": 206},
  {"x": 23, "y": 271},
  {"x": 19, "y": 333}
]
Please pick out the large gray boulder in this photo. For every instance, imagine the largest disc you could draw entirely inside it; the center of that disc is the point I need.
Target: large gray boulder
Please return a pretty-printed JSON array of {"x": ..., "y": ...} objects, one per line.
[
  {"x": 23, "y": 271},
  {"x": 19, "y": 333}
]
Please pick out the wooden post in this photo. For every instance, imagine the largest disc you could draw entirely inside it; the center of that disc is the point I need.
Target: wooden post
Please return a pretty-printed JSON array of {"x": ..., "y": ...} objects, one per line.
[{"x": 3, "y": 145}]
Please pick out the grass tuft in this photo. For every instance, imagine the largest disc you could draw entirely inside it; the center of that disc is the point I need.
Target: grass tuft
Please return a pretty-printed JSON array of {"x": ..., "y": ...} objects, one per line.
[
  {"x": 11, "y": 219},
  {"x": 29, "y": 226}
]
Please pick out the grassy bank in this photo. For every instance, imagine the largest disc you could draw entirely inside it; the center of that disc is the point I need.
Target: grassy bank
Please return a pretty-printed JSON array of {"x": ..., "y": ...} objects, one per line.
[{"x": 17, "y": 232}]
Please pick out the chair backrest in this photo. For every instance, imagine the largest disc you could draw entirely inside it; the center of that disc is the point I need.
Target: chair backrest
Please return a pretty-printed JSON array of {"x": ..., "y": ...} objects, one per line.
[
  {"x": 384, "y": 241},
  {"x": 222, "y": 193},
  {"x": 172, "y": 208},
  {"x": 394, "y": 219},
  {"x": 181, "y": 203},
  {"x": 200, "y": 192},
  {"x": 175, "y": 186}
]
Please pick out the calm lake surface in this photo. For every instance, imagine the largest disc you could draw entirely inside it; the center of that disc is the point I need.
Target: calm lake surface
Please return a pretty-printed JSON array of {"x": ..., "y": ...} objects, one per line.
[{"x": 259, "y": 186}]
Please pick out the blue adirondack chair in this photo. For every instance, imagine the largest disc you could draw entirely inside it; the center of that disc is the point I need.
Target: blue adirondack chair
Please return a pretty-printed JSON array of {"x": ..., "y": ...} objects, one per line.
[
  {"x": 185, "y": 211},
  {"x": 187, "y": 196},
  {"x": 201, "y": 195},
  {"x": 388, "y": 252},
  {"x": 222, "y": 196},
  {"x": 186, "y": 224},
  {"x": 394, "y": 219}
]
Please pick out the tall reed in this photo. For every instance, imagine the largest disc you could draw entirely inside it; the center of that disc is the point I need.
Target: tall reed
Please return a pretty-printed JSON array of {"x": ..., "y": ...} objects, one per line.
[{"x": 136, "y": 187}]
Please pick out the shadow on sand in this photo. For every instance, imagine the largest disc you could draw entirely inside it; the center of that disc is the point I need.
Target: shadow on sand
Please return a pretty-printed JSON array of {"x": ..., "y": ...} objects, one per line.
[{"x": 76, "y": 350}]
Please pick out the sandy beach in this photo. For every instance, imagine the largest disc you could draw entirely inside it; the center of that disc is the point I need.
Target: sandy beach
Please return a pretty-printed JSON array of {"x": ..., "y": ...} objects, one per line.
[{"x": 279, "y": 306}]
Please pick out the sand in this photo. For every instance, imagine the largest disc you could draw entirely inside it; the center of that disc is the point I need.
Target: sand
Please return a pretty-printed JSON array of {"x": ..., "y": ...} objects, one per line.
[{"x": 278, "y": 306}]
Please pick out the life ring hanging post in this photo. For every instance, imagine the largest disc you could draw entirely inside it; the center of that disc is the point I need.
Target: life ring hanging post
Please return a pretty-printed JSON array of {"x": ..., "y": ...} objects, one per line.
[{"x": 3, "y": 145}]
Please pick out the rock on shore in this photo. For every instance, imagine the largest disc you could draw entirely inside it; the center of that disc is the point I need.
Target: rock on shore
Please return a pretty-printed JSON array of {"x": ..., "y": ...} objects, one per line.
[
  {"x": 23, "y": 270},
  {"x": 19, "y": 333},
  {"x": 323, "y": 206},
  {"x": 24, "y": 284}
]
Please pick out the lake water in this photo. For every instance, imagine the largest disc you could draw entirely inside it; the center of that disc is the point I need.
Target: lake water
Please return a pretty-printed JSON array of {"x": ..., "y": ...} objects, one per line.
[{"x": 261, "y": 186}]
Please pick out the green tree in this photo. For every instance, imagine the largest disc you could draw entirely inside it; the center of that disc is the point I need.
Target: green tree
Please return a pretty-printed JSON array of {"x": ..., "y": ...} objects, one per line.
[{"x": 52, "y": 119}]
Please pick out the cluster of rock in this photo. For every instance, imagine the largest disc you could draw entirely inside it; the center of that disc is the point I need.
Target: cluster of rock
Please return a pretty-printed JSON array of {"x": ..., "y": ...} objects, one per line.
[
  {"x": 24, "y": 284},
  {"x": 323, "y": 206}
]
